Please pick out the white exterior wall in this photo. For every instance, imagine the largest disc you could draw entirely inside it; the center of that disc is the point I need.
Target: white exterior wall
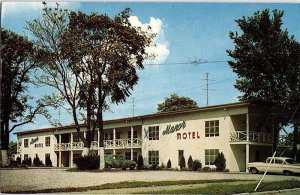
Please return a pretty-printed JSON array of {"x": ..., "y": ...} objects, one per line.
[
  {"x": 230, "y": 120},
  {"x": 168, "y": 145},
  {"x": 41, "y": 151}
]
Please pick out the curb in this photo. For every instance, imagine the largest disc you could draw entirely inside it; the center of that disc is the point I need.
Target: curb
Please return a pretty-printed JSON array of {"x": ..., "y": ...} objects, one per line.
[{"x": 270, "y": 192}]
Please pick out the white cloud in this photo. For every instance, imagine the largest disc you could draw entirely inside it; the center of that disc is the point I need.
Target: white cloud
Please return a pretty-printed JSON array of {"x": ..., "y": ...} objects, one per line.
[{"x": 161, "y": 48}]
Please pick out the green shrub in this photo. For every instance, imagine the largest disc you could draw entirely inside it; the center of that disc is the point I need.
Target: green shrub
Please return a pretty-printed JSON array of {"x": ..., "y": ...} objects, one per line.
[
  {"x": 190, "y": 162},
  {"x": 182, "y": 163},
  {"x": 37, "y": 162},
  {"x": 206, "y": 169},
  {"x": 48, "y": 162},
  {"x": 27, "y": 162},
  {"x": 196, "y": 165},
  {"x": 154, "y": 167},
  {"x": 162, "y": 166},
  {"x": 89, "y": 162},
  {"x": 140, "y": 162},
  {"x": 169, "y": 165},
  {"x": 18, "y": 160},
  {"x": 220, "y": 162}
]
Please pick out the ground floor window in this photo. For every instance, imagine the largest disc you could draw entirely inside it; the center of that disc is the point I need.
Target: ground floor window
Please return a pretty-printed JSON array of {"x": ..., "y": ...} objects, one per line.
[
  {"x": 210, "y": 156},
  {"x": 25, "y": 156},
  {"x": 153, "y": 157}
]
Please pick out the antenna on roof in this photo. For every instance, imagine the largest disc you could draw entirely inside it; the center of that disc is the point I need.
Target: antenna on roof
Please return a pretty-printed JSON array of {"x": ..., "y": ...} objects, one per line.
[{"x": 133, "y": 106}]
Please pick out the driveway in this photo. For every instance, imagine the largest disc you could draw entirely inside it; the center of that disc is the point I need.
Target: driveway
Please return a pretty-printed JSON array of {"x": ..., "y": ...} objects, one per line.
[{"x": 33, "y": 179}]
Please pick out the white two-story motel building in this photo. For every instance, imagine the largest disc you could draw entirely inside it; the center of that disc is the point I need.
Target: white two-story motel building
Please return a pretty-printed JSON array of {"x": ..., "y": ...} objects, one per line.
[{"x": 201, "y": 133}]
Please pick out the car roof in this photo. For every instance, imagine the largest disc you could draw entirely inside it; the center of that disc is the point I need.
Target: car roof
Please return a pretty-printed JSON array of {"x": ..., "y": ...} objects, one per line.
[{"x": 280, "y": 158}]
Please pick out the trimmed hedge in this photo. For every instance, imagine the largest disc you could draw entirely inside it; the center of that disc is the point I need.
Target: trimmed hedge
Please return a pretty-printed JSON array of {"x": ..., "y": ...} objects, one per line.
[
  {"x": 169, "y": 165},
  {"x": 196, "y": 165},
  {"x": 87, "y": 162},
  {"x": 140, "y": 162},
  {"x": 220, "y": 162}
]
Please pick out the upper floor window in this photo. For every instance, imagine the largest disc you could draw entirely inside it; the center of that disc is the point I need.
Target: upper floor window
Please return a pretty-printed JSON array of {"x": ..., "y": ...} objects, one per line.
[
  {"x": 25, "y": 143},
  {"x": 47, "y": 141},
  {"x": 211, "y": 128},
  {"x": 154, "y": 133}
]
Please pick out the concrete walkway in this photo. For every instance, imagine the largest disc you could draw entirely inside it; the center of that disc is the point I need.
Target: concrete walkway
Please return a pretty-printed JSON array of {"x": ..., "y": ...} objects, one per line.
[{"x": 37, "y": 179}]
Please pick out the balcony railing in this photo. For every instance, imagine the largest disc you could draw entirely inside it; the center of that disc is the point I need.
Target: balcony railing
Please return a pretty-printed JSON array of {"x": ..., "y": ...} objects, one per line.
[
  {"x": 254, "y": 136},
  {"x": 123, "y": 143},
  {"x": 118, "y": 143}
]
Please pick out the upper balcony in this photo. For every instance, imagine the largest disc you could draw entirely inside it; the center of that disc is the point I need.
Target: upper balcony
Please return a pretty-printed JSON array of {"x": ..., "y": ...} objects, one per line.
[
  {"x": 108, "y": 144},
  {"x": 237, "y": 137}
]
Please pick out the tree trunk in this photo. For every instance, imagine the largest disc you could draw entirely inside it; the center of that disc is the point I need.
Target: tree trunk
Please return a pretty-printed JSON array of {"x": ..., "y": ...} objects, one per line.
[
  {"x": 4, "y": 142},
  {"x": 85, "y": 151},
  {"x": 295, "y": 139}
]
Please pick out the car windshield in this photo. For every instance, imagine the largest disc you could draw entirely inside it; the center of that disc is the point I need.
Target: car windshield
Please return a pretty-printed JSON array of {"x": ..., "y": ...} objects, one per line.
[{"x": 290, "y": 161}]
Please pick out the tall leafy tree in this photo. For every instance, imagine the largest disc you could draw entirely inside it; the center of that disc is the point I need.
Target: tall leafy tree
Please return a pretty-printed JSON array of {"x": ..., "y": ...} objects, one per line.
[
  {"x": 263, "y": 57},
  {"x": 91, "y": 61},
  {"x": 175, "y": 102},
  {"x": 17, "y": 64},
  {"x": 105, "y": 54}
]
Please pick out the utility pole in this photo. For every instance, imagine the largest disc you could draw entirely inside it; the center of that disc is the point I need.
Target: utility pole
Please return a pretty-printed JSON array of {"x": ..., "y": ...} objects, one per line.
[
  {"x": 206, "y": 88},
  {"x": 133, "y": 106}
]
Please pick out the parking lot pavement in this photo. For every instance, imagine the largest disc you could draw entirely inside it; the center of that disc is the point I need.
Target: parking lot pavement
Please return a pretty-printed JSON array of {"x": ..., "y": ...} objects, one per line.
[{"x": 37, "y": 179}]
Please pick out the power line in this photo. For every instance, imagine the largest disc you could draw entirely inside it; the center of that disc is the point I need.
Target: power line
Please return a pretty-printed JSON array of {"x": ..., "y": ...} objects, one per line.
[{"x": 195, "y": 62}]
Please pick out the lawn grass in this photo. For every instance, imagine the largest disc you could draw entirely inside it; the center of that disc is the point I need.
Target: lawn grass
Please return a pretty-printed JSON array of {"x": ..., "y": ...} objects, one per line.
[
  {"x": 126, "y": 184},
  {"x": 231, "y": 188}
]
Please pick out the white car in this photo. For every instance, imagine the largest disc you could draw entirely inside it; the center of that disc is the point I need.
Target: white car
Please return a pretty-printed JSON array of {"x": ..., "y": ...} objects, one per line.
[{"x": 281, "y": 165}]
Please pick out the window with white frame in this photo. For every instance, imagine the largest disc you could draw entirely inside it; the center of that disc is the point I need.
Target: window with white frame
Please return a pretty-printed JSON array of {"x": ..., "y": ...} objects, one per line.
[
  {"x": 47, "y": 141},
  {"x": 153, "y": 157},
  {"x": 25, "y": 143},
  {"x": 212, "y": 128},
  {"x": 25, "y": 156},
  {"x": 154, "y": 133},
  {"x": 210, "y": 156}
]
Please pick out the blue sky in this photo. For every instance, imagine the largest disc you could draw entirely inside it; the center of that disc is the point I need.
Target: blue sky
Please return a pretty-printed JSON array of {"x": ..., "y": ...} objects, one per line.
[{"x": 186, "y": 32}]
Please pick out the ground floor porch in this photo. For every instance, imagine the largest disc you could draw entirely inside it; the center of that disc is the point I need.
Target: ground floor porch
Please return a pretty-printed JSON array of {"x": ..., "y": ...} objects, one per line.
[
  {"x": 245, "y": 153},
  {"x": 67, "y": 158}
]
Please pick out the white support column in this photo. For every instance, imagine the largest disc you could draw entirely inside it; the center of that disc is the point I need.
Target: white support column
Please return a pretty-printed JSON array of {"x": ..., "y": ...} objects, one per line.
[
  {"x": 247, "y": 127},
  {"x": 71, "y": 159},
  {"x": 84, "y": 134},
  {"x": 131, "y": 141},
  {"x": 131, "y": 154},
  {"x": 247, "y": 156},
  {"x": 71, "y": 140},
  {"x": 131, "y": 133},
  {"x": 114, "y": 141},
  {"x": 59, "y": 156},
  {"x": 114, "y": 136},
  {"x": 247, "y": 144}
]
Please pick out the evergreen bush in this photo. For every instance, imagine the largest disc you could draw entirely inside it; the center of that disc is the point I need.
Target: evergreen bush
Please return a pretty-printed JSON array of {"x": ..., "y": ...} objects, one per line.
[
  {"x": 89, "y": 162},
  {"x": 196, "y": 165},
  {"x": 182, "y": 163},
  {"x": 37, "y": 162},
  {"x": 140, "y": 162},
  {"x": 48, "y": 162},
  {"x": 18, "y": 160},
  {"x": 169, "y": 165},
  {"x": 190, "y": 162},
  {"x": 220, "y": 162}
]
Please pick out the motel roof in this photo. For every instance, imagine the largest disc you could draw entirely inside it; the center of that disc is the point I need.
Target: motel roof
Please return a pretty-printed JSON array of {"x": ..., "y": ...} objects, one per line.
[{"x": 154, "y": 115}]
